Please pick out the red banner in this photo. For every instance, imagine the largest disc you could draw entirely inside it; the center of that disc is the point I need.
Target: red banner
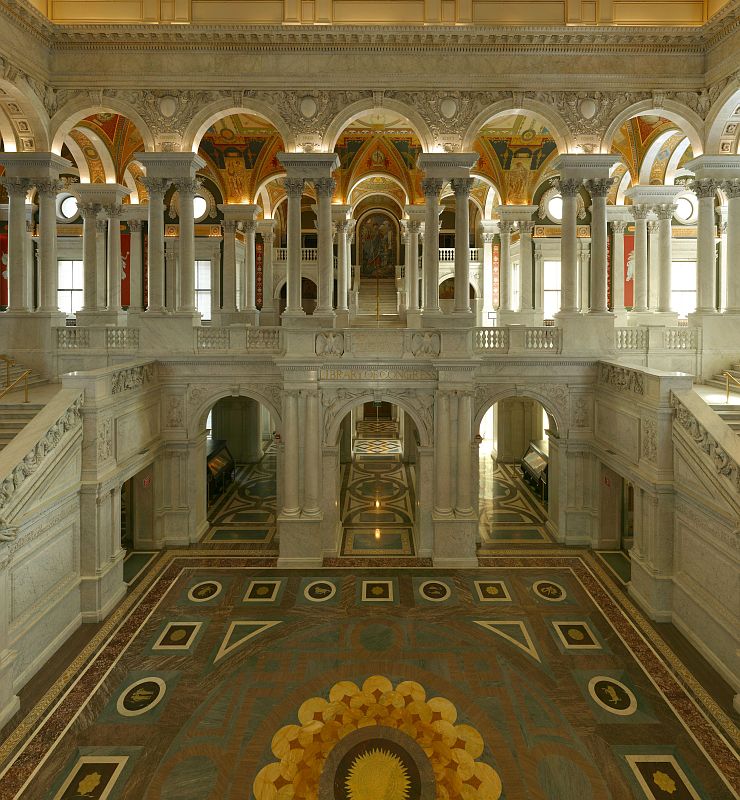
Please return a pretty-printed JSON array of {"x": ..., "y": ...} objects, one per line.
[
  {"x": 629, "y": 270},
  {"x": 259, "y": 255},
  {"x": 3, "y": 269},
  {"x": 125, "y": 269}
]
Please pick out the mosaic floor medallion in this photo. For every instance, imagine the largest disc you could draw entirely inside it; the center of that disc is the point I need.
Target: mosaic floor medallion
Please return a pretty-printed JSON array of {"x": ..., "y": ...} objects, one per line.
[
  {"x": 576, "y": 635},
  {"x": 206, "y": 590},
  {"x": 612, "y": 695},
  {"x": 377, "y": 591},
  {"x": 661, "y": 778},
  {"x": 320, "y": 591},
  {"x": 435, "y": 591},
  {"x": 177, "y": 636},
  {"x": 141, "y": 696},
  {"x": 93, "y": 777},
  {"x": 262, "y": 592},
  {"x": 550, "y": 591},
  {"x": 492, "y": 592}
]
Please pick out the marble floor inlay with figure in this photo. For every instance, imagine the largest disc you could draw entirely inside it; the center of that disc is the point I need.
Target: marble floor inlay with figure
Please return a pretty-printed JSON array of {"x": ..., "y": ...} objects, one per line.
[{"x": 531, "y": 677}]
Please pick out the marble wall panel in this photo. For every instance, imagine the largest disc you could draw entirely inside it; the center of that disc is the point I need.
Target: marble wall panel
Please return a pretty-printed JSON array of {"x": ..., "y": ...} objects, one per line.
[{"x": 136, "y": 429}]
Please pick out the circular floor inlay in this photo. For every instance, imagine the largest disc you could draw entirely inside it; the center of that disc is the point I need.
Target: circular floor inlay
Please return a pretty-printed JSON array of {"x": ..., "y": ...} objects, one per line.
[
  {"x": 319, "y": 591},
  {"x": 549, "y": 590},
  {"x": 436, "y": 591},
  {"x": 206, "y": 590},
  {"x": 612, "y": 695},
  {"x": 141, "y": 696}
]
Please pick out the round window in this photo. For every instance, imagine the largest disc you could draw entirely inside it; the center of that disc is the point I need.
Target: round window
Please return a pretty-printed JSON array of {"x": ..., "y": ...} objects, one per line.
[
  {"x": 200, "y": 206},
  {"x": 685, "y": 209},
  {"x": 68, "y": 207},
  {"x": 555, "y": 208}
]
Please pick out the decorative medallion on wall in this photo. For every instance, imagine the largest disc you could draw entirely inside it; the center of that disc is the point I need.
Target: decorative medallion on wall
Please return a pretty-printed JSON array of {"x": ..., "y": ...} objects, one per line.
[{"x": 378, "y": 741}]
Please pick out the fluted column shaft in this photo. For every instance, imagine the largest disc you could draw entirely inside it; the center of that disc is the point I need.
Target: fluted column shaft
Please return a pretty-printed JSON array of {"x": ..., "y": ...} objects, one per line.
[
  {"x": 618, "y": 229},
  {"x": 442, "y": 455},
  {"x": 569, "y": 189},
  {"x": 229, "y": 272},
  {"x": 311, "y": 466},
  {"x": 665, "y": 213},
  {"x": 342, "y": 266},
  {"x": 134, "y": 269},
  {"x": 464, "y": 465},
  {"x": 186, "y": 193},
  {"x": 505, "y": 279},
  {"x": 526, "y": 229},
  {"x": 268, "y": 241},
  {"x": 462, "y": 187},
  {"x": 325, "y": 190},
  {"x": 706, "y": 252},
  {"x": 430, "y": 265},
  {"x": 598, "y": 188},
  {"x": 294, "y": 190},
  {"x": 249, "y": 294},
  {"x": 157, "y": 188},
  {"x": 732, "y": 189},
  {"x": 49, "y": 269},
  {"x": 351, "y": 224},
  {"x": 487, "y": 276},
  {"x": 412, "y": 268},
  {"x": 640, "y": 213},
  {"x": 19, "y": 298},
  {"x": 113, "y": 212},
  {"x": 291, "y": 501},
  {"x": 89, "y": 213}
]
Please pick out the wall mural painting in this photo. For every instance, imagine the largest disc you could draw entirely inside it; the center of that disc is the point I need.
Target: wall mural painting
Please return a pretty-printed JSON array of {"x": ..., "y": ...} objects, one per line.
[{"x": 377, "y": 245}]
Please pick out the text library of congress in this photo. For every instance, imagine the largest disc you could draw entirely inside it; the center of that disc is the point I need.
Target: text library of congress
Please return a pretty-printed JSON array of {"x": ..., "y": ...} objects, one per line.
[{"x": 370, "y": 400}]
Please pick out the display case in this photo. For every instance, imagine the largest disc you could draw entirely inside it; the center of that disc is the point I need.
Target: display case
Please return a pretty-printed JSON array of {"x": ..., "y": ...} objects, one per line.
[
  {"x": 534, "y": 467},
  {"x": 220, "y": 468}
]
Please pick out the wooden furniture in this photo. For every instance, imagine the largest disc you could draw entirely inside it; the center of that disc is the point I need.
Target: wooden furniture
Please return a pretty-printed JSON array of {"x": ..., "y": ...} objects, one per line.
[
  {"x": 220, "y": 468},
  {"x": 534, "y": 467}
]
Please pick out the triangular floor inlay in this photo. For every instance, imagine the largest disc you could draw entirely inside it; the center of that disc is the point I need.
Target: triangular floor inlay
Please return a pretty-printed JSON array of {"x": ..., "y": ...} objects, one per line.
[
  {"x": 514, "y": 632},
  {"x": 241, "y": 632}
]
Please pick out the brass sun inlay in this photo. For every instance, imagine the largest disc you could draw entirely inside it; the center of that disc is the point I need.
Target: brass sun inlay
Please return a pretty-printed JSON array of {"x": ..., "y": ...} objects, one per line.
[{"x": 378, "y": 775}]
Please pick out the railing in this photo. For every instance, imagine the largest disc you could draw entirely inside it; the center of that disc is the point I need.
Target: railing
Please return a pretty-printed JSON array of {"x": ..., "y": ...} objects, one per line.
[
  {"x": 475, "y": 254},
  {"x": 630, "y": 338},
  {"x": 22, "y": 377},
  {"x": 447, "y": 254},
  {"x": 73, "y": 338},
  {"x": 488, "y": 339},
  {"x": 265, "y": 339},
  {"x": 307, "y": 254},
  {"x": 729, "y": 377},
  {"x": 9, "y": 362},
  {"x": 544, "y": 338},
  {"x": 680, "y": 338},
  {"x": 212, "y": 338},
  {"x": 122, "y": 338}
]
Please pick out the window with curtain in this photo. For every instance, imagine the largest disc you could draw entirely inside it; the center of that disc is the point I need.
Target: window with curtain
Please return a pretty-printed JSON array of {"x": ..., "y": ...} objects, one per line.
[
  {"x": 70, "y": 295},
  {"x": 203, "y": 288},
  {"x": 550, "y": 288}
]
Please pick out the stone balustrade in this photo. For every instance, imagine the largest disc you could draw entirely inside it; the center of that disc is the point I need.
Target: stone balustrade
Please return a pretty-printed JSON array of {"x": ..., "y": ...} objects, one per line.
[
  {"x": 238, "y": 339},
  {"x": 517, "y": 339},
  {"x": 630, "y": 338},
  {"x": 107, "y": 338},
  {"x": 645, "y": 339}
]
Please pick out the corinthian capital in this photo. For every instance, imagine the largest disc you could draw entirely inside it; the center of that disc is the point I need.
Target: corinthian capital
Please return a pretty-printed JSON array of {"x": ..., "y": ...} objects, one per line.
[
  {"x": 704, "y": 187},
  {"x": 640, "y": 210},
  {"x": 431, "y": 187},
  {"x": 732, "y": 187},
  {"x": 325, "y": 187},
  {"x": 569, "y": 187},
  {"x": 16, "y": 187},
  {"x": 599, "y": 187},
  {"x": 49, "y": 187},
  {"x": 294, "y": 187},
  {"x": 189, "y": 187},
  {"x": 462, "y": 186},
  {"x": 157, "y": 187}
]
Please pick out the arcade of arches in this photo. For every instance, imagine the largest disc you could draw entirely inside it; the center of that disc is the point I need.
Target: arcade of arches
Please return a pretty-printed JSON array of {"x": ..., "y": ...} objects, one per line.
[{"x": 364, "y": 435}]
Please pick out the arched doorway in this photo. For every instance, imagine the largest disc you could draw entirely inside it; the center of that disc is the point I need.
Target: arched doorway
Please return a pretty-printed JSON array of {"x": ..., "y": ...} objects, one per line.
[
  {"x": 378, "y": 450},
  {"x": 241, "y": 473},
  {"x": 514, "y": 468}
]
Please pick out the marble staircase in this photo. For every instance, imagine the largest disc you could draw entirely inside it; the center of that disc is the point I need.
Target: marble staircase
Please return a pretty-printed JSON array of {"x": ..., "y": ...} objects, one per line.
[
  {"x": 377, "y": 296},
  {"x": 14, "y": 413},
  {"x": 720, "y": 381}
]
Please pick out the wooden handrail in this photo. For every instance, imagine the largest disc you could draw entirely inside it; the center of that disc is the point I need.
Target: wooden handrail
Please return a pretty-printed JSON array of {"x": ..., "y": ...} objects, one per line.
[
  {"x": 22, "y": 377},
  {"x": 728, "y": 377},
  {"x": 9, "y": 362}
]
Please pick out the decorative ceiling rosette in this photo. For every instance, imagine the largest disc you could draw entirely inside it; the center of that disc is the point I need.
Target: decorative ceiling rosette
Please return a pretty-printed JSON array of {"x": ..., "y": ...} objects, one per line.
[{"x": 452, "y": 749}]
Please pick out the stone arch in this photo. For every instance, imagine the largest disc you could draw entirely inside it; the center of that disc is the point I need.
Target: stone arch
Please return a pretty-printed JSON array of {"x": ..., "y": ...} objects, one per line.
[
  {"x": 206, "y": 116},
  {"x": 27, "y": 126},
  {"x": 103, "y": 154},
  {"x": 719, "y": 115},
  {"x": 80, "y": 107},
  {"x": 7, "y": 133},
  {"x": 353, "y": 398},
  {"x": 267, "y": 207},
  {"x": 387, "y": 176},
  {"x": 688, "y": 121},
  {"x": 472, "y": 284},
  {"x": 354, "y": 110},
  {"x": 556, "y": 124},
  {"x": 201, "y": 400},
  {"x": 545, "y": 395}
]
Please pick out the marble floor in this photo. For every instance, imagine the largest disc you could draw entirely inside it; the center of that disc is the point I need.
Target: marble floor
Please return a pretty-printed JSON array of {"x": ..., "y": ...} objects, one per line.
[{"x": 530, "y": 678}]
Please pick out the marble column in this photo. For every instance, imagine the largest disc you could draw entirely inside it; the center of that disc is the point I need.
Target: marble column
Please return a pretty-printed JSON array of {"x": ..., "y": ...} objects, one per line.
[
  {"x": 569, "y": 190},
  {"x": 186, "y": 190},
  {"x": 311, "y": 463},
  {"x": 89, "y": 213},
  {"x": 505, "y": 270},
  {"x": 249, "y": 285},
  {"x": 464, "y": 455},
  {"x": 488, "y": 237},
  {"x": 229, "y": 266},
  {"x": 342, "y": 266},
  {"x": 157, "y": 188},
  {"x": 19, "y": 298},
  {"x": 618, "y": 229},
  {"x": 706, "y": 252},
  {"x": 539, "y": 292},
  {"x": 723, "y": 258},
  {"x": 526, "y": 229},
  {"x": 412, "y": 267},
  {"x": 294, "y": 190},
  {"x": 664, "y": 212},
  {"x": 430, "y": 268},
  {"x": 351, "y": 225},
  {"x": 325, "y": 191},
  {"x": 101, "y": 256},
  {"x": 136, "y": 292},
  {"x": 114, "y": 212},
  {"x": 598, "y": 189},
  {"x": 442, "y": 502},
  {"x": 732, "y": 190},
  {"x": 653, "y": 264},
  {"x": 462, "y": 187},
  {"x": 49, "y": 269},
  {"x": 268, "y": 278},
  {"x": 291, "y": 501},
  {"x": 640, "y": 213}
]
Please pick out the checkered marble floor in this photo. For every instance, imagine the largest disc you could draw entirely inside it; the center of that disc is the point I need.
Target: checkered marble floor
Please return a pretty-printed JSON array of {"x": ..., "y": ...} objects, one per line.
[{"x": 378, "y": 447}]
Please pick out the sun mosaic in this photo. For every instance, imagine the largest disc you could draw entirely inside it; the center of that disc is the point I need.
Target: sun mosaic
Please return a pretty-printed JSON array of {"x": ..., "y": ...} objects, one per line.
[{"x": 452, "y": 749}]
